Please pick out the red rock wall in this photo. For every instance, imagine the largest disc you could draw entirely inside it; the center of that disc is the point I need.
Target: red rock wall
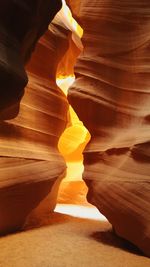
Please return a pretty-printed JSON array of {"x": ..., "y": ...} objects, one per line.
[{"x": 111, "y": 96}]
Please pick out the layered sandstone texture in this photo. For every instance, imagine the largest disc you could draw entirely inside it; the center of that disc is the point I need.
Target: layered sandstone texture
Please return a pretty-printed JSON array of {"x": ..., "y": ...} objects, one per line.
[
  {"x": 111, "y": 95},
  {"x": 31, "y": 166}
]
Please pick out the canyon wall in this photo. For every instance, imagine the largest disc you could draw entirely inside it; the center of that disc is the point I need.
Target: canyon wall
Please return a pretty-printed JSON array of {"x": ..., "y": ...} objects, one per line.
[
  {"x": 22, "y": 23},
  {"x": 31, "y": 166},
  {"x": 111, "y": 95}
]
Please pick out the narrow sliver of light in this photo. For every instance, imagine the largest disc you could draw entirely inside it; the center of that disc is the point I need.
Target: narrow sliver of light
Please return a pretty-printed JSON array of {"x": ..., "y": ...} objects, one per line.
[{"x": 80, "y": 211}]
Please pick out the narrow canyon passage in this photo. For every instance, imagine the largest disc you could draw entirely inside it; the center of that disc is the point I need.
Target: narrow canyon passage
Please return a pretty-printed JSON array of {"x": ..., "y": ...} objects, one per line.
[{"x": 51, "y": 136}]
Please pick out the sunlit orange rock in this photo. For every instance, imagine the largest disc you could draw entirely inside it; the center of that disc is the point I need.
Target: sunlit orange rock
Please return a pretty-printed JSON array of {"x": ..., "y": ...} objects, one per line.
[
  {"x": 75, "y": 8},
  {"x": 111, "y": 96},
  {"x": 75, "y": 137},
  {"x": 71, "y": 145}
]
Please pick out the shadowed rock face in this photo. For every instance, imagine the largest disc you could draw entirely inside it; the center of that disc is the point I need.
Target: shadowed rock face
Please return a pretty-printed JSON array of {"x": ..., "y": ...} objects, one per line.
[
  {"x": 22, "y": 23},
  {"x": 111, "y": 96},
  {"x": 31, "y": 167}
]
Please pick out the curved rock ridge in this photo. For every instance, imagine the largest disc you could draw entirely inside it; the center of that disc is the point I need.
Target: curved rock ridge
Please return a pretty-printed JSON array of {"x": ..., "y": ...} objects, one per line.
[
  {"x": 75, "y": 8},
  {"x": 22, "y": 23},
  {"x": 31, "y": 166},
  {"x": 111, "y": 95}
]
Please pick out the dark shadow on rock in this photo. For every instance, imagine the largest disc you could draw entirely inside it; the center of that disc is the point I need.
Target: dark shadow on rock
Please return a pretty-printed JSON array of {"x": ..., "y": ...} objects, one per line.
[
  {"x": 53, "y": 218},
  {"x": 110, "y": 238}
]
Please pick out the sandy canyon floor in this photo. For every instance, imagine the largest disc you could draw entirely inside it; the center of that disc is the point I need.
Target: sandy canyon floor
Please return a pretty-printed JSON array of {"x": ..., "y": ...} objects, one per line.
[{"x": 71, "y": 237}]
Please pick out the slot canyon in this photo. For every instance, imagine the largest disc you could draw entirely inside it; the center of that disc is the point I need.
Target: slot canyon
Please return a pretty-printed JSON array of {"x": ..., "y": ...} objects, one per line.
[{"x": 75, "y": 133}]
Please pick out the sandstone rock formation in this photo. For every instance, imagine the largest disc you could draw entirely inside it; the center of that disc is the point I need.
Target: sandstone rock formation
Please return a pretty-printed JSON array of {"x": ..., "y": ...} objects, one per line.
[
  {"x": 22, "y": 23},
  {"x": 111, "y": 96},
  {"x": 31, "y": 167}
]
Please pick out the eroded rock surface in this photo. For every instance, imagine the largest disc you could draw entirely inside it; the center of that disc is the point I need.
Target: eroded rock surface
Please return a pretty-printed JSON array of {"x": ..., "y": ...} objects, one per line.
[
  {"x": 111, "y": 95},
  {"x": 31, "y": 167}
]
